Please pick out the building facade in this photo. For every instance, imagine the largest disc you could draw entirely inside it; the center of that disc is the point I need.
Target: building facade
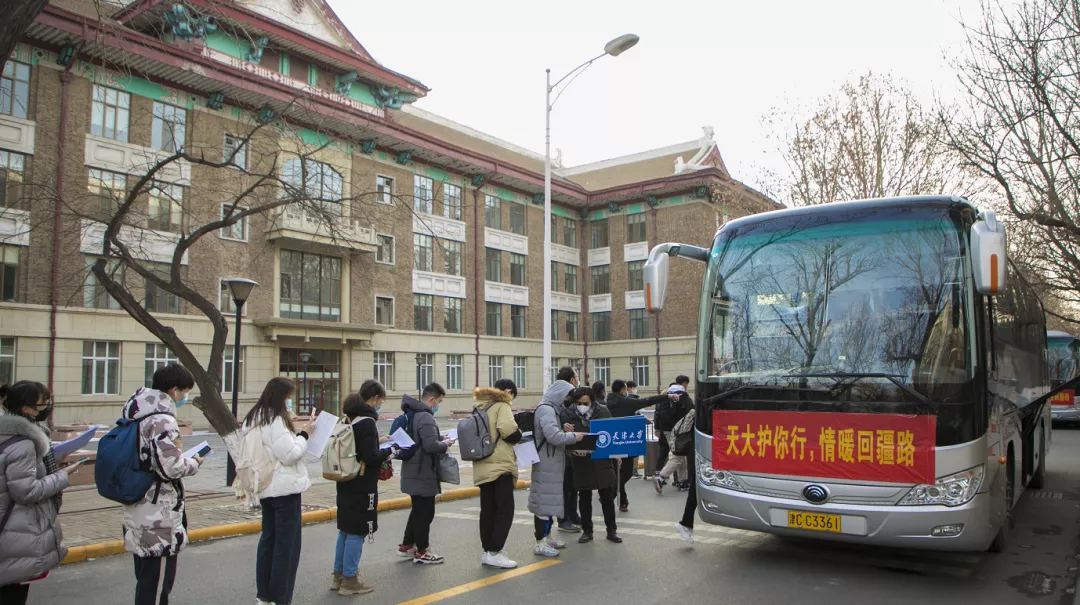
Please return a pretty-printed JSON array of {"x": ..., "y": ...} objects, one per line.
[{"x": 429, "y": 269}]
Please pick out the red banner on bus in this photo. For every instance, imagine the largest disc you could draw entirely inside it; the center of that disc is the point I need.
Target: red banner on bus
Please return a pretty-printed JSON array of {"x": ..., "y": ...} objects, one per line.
[
  {"x": 863, "y": 447},
  {"x": 1063, "y": 397}
]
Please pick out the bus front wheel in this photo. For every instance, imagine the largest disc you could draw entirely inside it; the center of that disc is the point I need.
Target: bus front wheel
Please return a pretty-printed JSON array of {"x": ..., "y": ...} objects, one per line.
[{"x": 1001, "y": 540}]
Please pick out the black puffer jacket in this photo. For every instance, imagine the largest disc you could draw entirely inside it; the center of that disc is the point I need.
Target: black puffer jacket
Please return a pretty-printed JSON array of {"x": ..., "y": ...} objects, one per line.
[
  {"x": 622, "y": 406},
  {"x": 592, "y": 474},
  {"x": 358, "y": 500}
]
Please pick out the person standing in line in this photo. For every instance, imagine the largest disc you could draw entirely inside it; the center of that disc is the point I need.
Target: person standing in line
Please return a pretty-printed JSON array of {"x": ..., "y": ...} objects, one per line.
[
  {"x": 685, "y": 527},
  {"x": 622, "y": 406},
  {"x": 551, "y": 436},
  {"x": 571, "y": 521},
  {"x": 419, "y": 474},
  {"x": 32, "y": 543},
  {"x": 358, "y": 499},
  {"x": 155, "y": 528},
  {"x": 676, "y": 410},
  {"x": 599, "y": 391},
  {"x": 592, "y": 475},
  {"x": 496, "y": 475},
  {"x": 278, "y": 555}
]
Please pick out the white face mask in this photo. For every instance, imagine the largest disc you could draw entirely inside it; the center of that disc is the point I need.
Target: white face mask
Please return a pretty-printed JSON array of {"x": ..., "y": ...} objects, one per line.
[{"x": 583, "y": 409}]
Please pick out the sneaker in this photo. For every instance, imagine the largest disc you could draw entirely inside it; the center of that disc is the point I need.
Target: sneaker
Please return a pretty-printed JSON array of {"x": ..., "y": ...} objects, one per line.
[
  {"x": 614, "y": 537},
  {"x": 543, "y": 549},
  {"x": 624, "y": 508},
  {"x": 568, "y": 527},
  {"x": 556, "y": 544},
  {"x": 687, "y": 533},
  {"x": 406, "y": 551},
  {"x": 659, "y": 484},
  {"x": 353, "y": 585},
  {"x": 427, "y": 557},
  {"x": 585, "y": 538},
  {"x": 498, "y": 559},
  {"x": 335, "y": 581}
]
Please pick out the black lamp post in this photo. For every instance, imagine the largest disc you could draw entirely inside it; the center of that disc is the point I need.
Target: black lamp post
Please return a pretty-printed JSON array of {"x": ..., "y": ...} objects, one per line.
[
  {"x": 240, "y": 289},
  {"x": 419, "y": 382},
  {"x": 633, "y": 372},
  {"x": 304, "y": 359}
]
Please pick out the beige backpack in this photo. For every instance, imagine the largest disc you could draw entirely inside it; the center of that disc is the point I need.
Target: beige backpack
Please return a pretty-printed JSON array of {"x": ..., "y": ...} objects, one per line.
[
  {"x": 339, "y": 461},
  {"x": 254, "y": 468}
]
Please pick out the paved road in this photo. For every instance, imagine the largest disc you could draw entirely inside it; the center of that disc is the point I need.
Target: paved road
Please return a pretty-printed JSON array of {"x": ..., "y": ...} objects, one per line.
[{"x": 653, "y": 566}]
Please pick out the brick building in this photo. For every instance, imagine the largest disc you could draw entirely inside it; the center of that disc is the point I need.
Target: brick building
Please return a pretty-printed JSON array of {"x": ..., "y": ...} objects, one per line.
[{"x": 432, "y": 270}]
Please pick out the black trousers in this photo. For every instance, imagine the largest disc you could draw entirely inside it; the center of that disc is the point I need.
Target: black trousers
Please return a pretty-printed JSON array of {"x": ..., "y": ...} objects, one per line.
[
  {"x": 570, "y": 508},
  {"x": 147, "y": 574},
  {"x": 690, "y": 508},
  {"x": 626, "y": 472},
  {"x": 418, "y": 528},
  {"x": 15, "y": 594},
  {"x": 496, "y": 512},
  {"x": 607, "y": 503},
  {"x": 541, "y": 527}
]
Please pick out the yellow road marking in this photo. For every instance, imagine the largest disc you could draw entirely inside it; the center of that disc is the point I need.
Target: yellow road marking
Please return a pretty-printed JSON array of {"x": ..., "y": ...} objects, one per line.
[{"x": 471, "y": 586}]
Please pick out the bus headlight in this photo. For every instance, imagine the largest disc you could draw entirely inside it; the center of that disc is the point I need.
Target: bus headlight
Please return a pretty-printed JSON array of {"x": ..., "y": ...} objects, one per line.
[
  {"x": 952, "y": 490},
  {"x": 714, "y": 478}
]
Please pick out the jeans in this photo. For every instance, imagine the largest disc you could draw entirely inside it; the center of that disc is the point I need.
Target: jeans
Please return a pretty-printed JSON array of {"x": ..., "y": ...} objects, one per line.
[
  {"x": 570, "y": 509},
  {"x": 496, "y": 512},
  {"x": 607, "y": 504},
  {"x": 147, "y": 574},
  {"x": 626, "y": 472},
  {"x": 15, "y": 594},
  {"x": 690, "y": 509},
  {"x": 279, "y": 549},
  {"x": 541, "y": 527},
  {"x": 676, "y": 465},
  {"x": 347, "y": 554},
  {"x": 418, "y": 528}
]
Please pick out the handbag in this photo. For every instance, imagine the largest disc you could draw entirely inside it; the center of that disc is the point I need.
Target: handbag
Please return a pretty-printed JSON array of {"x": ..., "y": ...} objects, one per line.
[
  {"x": 684, "y": 435},
  {"x": 447, "y": 470},
  {"x": 386, "y": 471}
]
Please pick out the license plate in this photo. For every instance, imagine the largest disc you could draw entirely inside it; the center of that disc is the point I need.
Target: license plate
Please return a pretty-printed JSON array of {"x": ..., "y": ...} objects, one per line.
[{"x": 813, "y": 521}]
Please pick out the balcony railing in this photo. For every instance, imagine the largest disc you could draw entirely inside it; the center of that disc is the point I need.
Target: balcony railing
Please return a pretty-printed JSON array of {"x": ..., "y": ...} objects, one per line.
[{"x": 322, "y": 228}]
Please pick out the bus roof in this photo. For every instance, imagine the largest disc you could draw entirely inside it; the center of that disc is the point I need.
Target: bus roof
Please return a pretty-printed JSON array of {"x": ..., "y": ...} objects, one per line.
[
  {"x": 943, "y": 201},
  {"x": 1053, "y": 334}
]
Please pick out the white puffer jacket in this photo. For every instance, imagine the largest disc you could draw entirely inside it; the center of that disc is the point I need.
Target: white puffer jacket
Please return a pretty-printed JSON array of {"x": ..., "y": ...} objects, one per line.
[{"x": 287, "y": 451}]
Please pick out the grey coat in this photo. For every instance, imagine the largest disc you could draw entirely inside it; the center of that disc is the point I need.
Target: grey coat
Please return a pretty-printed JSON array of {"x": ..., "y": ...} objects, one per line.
[
  {"x": 31, "y": 542},
  {"x": 418, "y": 474},
  {"x": 546, "y": 492}
]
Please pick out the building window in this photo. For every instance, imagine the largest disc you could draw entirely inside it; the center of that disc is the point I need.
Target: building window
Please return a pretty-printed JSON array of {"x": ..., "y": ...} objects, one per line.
[
  {"x": 94, "y": 294},
  {"x": 384, "y": 369},
  {"x": 425, "y": 370},
  {"x": 385, "y": 252},
  {"x": 236, "y": 148},
  {"x": 454, "y": 371},
  {"x": 109, "y": 188},
  {"x": 494, "y": 319},
  {"x": 423, "y": 193},
  {"x": 635, "y": 275},
  {"x": 517, "y": 219},
  {"x": 168, "y": 128},
  {"x": 493, "y": 265},
  {"x": 492, "y": 212},
  {"x": 554, "y": 229},
  {"x": 422, "y": 253},
  {"x": 495, "y": 368},
  {"x": 571, "y": 279},
  {"x": 227, "y": 370},
  {"x": 601, "y": 280},
  {"x": 9, "y": 273},
  {"x": 555, "y": 367},
  {"x": 452, "y": 201},
  {"x": 571, "y": 325},
  {"x": 452, "y": 315},
  {"x": 519, "y": 372},
  {"x": 602, "y": 368},
  {"x": 12, "y": 171},
  {"x": 422, "y": 313},
  {"x": 640, "y": 370},
  {"x": 157, "y": 356},
  {"x": 15, "y": 89},
  {"x": 310, "y": 286},
  {"x": 237, "y": 231},
  {"x": 517, "y": 269},
  {"x": 110, "y": 113},
  {"x": 639, "y": 323},
  {"x": 318, "y": 382},
  {"x": 554, "y": 324},
  {"x": 384, "y": 191},
  {"x": 635, "y": 228},
  {"x": 554, "y": 276},
  {"x": 384, "y": 311},
  {"x": 452, "y": 257},
  {"x": 517, "y": 321},
  {"x": 598, "y": 234},
  {"x": 601, "y": 326},
  {"x": 313, "y": 180},
  {"x": 570, "y": 232},
  {"x": 7, "y": 360},
  {"x": 101, "y": 368},
  {"x": 159, "y": 300},
  {"x": 166, "y": 207}
]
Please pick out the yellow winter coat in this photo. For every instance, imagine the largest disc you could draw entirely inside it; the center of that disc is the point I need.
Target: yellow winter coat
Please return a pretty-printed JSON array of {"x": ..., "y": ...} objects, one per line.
[{"x": 501, "y": 421}]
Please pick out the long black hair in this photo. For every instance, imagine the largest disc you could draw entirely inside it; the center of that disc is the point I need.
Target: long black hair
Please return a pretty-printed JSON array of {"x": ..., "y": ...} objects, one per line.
[
  {"x": 271, "y": 403},
  {"x": 21, "y": 394}
]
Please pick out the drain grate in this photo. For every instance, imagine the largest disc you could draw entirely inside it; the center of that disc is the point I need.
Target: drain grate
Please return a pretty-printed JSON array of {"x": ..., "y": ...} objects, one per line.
[{"x": 1046, "y": 495}]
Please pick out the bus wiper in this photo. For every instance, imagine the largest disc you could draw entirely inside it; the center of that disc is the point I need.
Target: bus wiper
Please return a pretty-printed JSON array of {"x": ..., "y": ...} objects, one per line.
[
  {"x": 755, "y": 387},
  {"x": 856, "y": 376}
]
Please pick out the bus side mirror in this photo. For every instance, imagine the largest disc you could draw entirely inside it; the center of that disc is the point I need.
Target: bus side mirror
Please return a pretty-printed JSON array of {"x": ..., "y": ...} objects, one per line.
[
  {"x": 988, "y": 253},
  {"x": 656, "y": 278}
]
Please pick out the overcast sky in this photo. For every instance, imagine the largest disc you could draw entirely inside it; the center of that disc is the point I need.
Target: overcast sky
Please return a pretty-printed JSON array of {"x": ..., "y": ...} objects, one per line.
[{"x": 719, "y": 63}]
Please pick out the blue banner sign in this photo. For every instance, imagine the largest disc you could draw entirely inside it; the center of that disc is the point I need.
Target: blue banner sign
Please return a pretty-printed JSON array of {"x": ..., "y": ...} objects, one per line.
[{"x": 618, "y": 437}]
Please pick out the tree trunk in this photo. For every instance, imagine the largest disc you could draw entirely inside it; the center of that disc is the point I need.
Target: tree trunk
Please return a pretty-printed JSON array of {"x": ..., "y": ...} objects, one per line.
[{"x": 18, "y": 17}]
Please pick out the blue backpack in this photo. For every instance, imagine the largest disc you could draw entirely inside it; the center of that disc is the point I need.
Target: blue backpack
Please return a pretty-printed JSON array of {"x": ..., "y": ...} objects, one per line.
[
  {"x": 119, "y": 472},
  {"x": 405, "y": 421}
]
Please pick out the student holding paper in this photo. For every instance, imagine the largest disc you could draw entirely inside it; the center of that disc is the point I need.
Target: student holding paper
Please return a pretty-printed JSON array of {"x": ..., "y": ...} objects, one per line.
[{"x": 419, "y": 473}]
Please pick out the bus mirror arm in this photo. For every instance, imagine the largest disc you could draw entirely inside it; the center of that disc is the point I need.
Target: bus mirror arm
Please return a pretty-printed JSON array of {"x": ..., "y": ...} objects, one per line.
[
  {"x": 683, "y": 250},
  {"x": 656, "y": 271}
]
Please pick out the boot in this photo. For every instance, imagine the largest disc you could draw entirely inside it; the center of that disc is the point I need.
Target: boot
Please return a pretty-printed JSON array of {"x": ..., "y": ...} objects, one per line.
[
  {"x": 335, "y": 581},
  {"x": 353, "y": 585}
]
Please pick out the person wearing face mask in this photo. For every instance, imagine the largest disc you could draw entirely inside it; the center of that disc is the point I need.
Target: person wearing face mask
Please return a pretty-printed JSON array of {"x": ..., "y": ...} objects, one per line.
[
  {"x": 419, "y": 477},
  {"x": 592, "y": 475},
  {"x": 155, "y": 528},
  {"x": 30, "y": 537},
  {"x": 622, "y": 406}
]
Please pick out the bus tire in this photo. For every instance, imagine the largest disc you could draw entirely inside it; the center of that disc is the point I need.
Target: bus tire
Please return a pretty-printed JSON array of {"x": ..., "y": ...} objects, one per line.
[
  {"x": 1039, "y": 478},
  {"x": 1001, "y": 540}
]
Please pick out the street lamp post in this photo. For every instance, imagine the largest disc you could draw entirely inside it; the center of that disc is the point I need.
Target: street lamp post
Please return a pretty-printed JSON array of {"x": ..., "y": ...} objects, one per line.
[
  {"x": 419, "y": 383},
  {"x": 240, "y": 289},
  {"x": 614, "y": 48},
  {"x": 633, "y": 371},
  {"x": 305, "y": 358}
]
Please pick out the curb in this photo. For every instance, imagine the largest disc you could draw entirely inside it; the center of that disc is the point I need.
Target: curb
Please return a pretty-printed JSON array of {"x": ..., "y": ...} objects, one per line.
[{"x": 78, "y": 554}]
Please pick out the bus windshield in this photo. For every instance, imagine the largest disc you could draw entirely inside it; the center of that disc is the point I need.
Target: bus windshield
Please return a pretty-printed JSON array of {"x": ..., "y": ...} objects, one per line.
[{"x": 856, "y": 308}]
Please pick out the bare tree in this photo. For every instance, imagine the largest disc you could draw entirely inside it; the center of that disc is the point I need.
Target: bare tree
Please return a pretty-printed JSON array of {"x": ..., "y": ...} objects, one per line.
[
  {"x": 873, "y": 139},
  {"x": 18, "y": 15}
]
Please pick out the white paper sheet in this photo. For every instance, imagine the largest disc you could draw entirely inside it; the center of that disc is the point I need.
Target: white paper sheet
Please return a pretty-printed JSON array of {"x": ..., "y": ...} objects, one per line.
[
  {"x": 78, "y": 442},
  {"x": 195, "y": 450},
  {"x": 526, "y": 454},
  {"x": 402, "y": 439},
  {"x": 320, "y": 433},
  {"x": 452, "y": 434}
]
